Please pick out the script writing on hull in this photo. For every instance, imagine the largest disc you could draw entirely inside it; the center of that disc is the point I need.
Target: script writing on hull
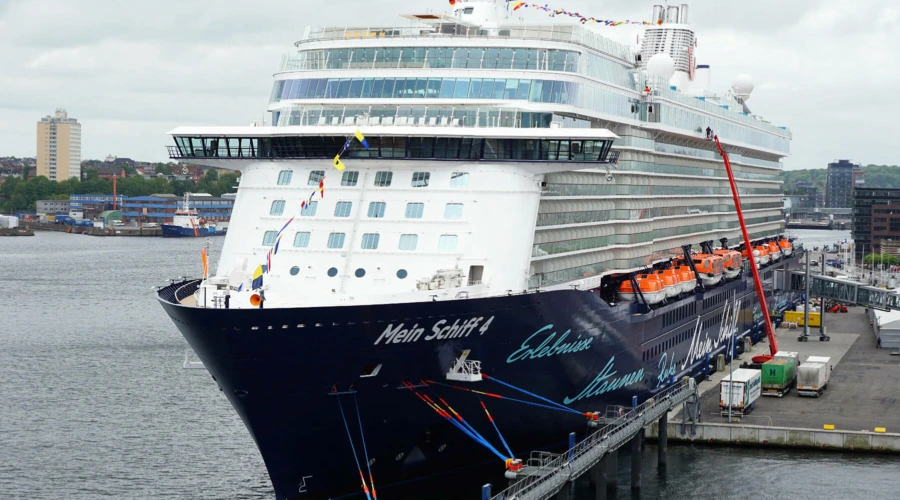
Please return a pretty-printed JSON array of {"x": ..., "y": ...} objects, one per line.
[{"x": 440, "y": 330}]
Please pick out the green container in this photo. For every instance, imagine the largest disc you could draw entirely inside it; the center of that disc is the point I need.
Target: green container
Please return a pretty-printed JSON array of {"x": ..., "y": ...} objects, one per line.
[{"x": 777, "y": 374}]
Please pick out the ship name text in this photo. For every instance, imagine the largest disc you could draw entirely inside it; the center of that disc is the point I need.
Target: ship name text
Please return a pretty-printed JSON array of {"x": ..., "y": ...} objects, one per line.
[
  {"x": 607, "y": 381},
  {"x": 441, "y": 330},
  {"x": 546, "y": 349},
  {"x": 701, "y": 347}
]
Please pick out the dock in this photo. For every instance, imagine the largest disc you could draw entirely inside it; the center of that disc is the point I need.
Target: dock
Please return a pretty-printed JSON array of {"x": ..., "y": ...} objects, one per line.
[
  {"x": 859, "y": 410},
  {"x": 96, "y": 231}
]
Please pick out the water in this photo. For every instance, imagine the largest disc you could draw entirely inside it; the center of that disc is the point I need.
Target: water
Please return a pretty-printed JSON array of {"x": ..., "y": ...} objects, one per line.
[{"x": 95, "y": 402}]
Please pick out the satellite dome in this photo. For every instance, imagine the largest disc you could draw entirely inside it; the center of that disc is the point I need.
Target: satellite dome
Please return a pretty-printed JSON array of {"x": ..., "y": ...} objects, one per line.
[
  {"x": 661, "y": 65},
  {"x": 742, "y": 85}
]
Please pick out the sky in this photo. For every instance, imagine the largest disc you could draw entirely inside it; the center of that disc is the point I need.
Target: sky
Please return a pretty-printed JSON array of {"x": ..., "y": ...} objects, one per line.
[{"x": 132, "y": 71}]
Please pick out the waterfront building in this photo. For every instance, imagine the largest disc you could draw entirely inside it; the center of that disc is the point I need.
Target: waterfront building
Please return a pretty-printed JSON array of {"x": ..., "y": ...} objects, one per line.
[
  {"x": 161, "y": 208},
  {"x": 59, "y": 147},
  {"x": 839, "y": 183},
  {"x": 876, "y": 219},
  {"x": 51, "y": 207}
]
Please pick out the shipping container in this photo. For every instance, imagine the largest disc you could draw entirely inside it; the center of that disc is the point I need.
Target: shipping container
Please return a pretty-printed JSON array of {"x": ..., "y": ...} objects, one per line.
[
  {"x": 777, "y": 377},
  {"x": 797, "y": 317},
  {"x": 791, "y": 355},
  {"x": 9, "y": 221},
  {"x": 825, "y": 360},
  {"x": 812, "y": 379},
  {"x": 739, "y": 391}
]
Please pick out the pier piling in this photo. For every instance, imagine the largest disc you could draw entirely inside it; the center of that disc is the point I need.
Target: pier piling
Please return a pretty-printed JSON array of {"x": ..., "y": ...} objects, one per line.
[
  {"x": 598, "y": 479},
  {"x": 636, "y": 460},
  {"x": 663, "y": 447},
  {"x": 612, "y": 471}
]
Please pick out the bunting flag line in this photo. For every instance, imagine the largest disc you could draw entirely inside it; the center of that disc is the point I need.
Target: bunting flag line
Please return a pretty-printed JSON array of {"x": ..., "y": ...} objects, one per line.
[
  {"x": 277, "y": 242},
  {"x": 361, "y": 138},
  {"x": 337, "y": 163},
  {"x": 322, "y": 188},
  {"x": 257, "y": 278},
  {"x": 517, "y": 4},
  {"x": 269, "y": 261},
  {"x": 288, "y": 223}
]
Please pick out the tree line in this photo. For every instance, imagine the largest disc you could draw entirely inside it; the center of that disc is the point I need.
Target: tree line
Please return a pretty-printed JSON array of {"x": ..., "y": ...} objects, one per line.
[{"x": 18, "y": 195}]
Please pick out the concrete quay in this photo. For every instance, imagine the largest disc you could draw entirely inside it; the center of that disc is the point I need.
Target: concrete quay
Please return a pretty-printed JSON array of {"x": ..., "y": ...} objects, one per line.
[
  {"x": 859, "y": 411},
  {"x": 97, "y": 231}
]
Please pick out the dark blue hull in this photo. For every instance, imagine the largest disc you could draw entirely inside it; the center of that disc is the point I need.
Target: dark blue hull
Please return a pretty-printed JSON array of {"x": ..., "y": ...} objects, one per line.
[
  {"x": 170, "y": 231},
  {"x": 278, "y": 367}
]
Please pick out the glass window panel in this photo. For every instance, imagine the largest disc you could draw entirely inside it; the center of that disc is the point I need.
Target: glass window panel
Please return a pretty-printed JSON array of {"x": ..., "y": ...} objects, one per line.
[
  {"x": 524, "y": 88},
  {"x": 269, "y": 238},
  {"x": 408, "y": 241},
  {"x": 486, "y": 85},
  {"x": 303, "y": 89},
  {"x": 475, "y": 88},
  {"x": 314, "y": 177},
  {"x": 356, "y": 88},
  {"x": 447, "y": 242},
  {"x": 377, "y": 88},
  {"x": 414, "y": 210},
  {"x": 420, "y": 179},
  {"x": 331, "y": 88},
  {"x": 491, "y": 58},
  {"x": 343, "y": 208},
  {"x": 343, "y": 88},
  {"x": 447, "y": 86},
  {"x": 366, "y": 88},
  {"x": 301, "y": 239},
  {"x": 383, "y": 179},
  {"x": 459, "y": 179},
  {"x": 499, "y": 88},
  {"x": 370, "y": 241},
  {"x": 336, "y": 240},
  {"x": 512, "y": 87},
  {"x": 535, "y": 94},
  {"x": 388, "y": 90},
  {"x": 277, "y": 207},
  {"x": 453, "y": 211},
  {"x": 349, "y": 178},
  {"x": 376, "y": 209},
  {"x": 434, "y": 87},
  {"x": 309, "y": 209},
  {"x": 284, "y": 177}
]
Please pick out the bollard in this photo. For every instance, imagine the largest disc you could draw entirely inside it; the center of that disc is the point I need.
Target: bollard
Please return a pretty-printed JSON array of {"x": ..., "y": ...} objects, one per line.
[
  {"x": 720, "y": 362},
  {"x": 486, "y": 492},
  {"x": 671, "y": 379}
]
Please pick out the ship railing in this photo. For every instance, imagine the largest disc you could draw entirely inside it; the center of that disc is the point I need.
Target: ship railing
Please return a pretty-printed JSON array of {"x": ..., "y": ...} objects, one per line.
[
  {"x": 186, "y": 290},
  {"x": 553, "y": 472}
]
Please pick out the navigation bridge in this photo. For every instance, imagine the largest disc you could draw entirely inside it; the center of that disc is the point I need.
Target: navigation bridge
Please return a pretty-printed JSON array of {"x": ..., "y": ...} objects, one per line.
[{"x": 842, "y": 290}]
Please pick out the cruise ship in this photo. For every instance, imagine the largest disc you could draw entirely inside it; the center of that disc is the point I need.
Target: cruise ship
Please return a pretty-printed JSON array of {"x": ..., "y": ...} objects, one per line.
[{"x": 469, "y": 201}]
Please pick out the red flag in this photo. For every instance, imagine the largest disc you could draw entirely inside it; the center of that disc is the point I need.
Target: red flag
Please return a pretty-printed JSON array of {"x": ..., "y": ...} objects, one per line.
[{"x": 322, "y": 188}]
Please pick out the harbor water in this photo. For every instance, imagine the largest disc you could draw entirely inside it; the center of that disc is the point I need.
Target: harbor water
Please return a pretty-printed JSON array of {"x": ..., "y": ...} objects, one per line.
[{"x": 96, "y": 403}]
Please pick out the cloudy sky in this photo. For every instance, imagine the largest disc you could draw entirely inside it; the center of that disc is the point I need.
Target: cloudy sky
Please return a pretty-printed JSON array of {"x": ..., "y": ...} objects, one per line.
[{"x": 131, "y": 71}]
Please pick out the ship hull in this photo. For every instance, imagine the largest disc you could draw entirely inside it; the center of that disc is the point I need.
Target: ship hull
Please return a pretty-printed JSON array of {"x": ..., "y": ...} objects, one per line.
[
  {"x": 171, "y": 231},
  {"x": 289, "y": 373}
]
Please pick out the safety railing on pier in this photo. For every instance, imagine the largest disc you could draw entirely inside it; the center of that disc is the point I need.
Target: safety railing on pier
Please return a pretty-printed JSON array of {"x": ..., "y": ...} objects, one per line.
[{"x": 546, "y": 473}]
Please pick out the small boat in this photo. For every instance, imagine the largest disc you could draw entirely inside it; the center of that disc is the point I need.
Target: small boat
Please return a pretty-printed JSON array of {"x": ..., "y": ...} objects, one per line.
[
  {"x": 786, "y": 248},
  {"x": 763, "y": 257},
  {"x": 709, "y": 267},
  {"x": 671, "y": 282},
  {"x": 650, "y": 285},
  {"x": 688, "y": 280},
  {"x": 774, "y": 251},
  {"x": 731, "y": 262}
]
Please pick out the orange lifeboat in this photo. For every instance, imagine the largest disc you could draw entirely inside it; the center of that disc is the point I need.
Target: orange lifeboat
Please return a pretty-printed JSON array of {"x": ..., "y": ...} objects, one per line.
[
  {"x": 786, "y": 247},
  {"x": 671, "y": 282},
  {"x": 650, "y": 285},
  {"x": 774, "y": 251},
  {"x": 709, "y": 267},
  {"x": 763, "y": 257},
  {"x": 731, "y": 262},
  {"x": 688, "y": 280}
]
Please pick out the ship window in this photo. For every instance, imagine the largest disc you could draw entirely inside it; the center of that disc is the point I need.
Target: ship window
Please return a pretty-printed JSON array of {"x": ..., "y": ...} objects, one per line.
[
  {"x": 383, "y": 179},
  {"x": 269, "y": 238},
  {"x": 349, "y": 178},
  {"x": 408, "y": 241},
  {"x": 420, "y": 179},
  {"x": 401, "y": 273},
  {"x": 453, "y": 211},
  {"x": 376, "y": 209},
  {"x": 336, "y": 240},
  {"x": 414, "y": 210},
  {"x": 370, "y": 241},
  {"x": 360, "y": 272},
  {"x": 332, "y": 272},
  {"x": 315, "y": 176},
  {"x": 459, "y": 179},
  {"x": 447, "y": 242},
  {"x": 277, "y": 207},
  {"x": 301, "y": 239},
  {"x": 309, "y": 209},
  {"x": 294, "y": 272},
  {"x": 284, "y": 177},
  {"x": 342, "y": 208}
]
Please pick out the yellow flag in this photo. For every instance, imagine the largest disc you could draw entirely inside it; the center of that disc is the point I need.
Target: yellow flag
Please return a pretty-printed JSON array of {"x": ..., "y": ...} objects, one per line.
[{"x": 337, "y": 163}]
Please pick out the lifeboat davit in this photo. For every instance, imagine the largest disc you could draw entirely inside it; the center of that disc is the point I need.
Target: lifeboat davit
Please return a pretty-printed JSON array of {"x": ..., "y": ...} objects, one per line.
[
  {"x": 671, "y": 282},
  {"x": 688, "y": 280},
  {"x": 763, "y": 257},
  {"x": 650, "y": 285},
  {"x": 710, "y": 268},
  {"x": 731, "y": 262},
  {"x": 786, "y": 247},
  {"x": 774, "y": 251}
]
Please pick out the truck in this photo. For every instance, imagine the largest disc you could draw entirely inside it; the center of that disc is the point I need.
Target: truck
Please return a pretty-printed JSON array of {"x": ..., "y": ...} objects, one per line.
[
  {"x": 777, "y": 377},
  {"x": 813, "y": 379},
  {"x": 791, "y": 355},
  {"x": 62, "y": 219},
  {"x": 739, "y": 392}
]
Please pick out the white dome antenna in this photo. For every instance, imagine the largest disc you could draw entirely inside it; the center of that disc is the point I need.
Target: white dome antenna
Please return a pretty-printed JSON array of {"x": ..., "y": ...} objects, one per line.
[
  {"x": 742, "y": 86},
  {"x": 661, "y": 65}
]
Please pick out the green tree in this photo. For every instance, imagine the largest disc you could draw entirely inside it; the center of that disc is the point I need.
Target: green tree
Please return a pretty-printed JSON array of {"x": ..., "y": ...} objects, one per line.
[{"x": 878, "y": 258}]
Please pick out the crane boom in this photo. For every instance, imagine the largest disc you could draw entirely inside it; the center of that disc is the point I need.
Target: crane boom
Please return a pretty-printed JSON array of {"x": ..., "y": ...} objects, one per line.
[{"x": 770, "y": 333}]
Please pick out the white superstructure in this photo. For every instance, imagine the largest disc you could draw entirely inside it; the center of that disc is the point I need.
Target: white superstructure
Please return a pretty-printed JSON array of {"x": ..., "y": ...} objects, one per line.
[{"x": 490, "y": 170}]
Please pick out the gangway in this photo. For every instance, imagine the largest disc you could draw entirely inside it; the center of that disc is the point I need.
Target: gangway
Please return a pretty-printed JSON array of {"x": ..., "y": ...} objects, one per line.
[
  {"x": 841, "y": 290},
  {"x": 545, "y": 474}
]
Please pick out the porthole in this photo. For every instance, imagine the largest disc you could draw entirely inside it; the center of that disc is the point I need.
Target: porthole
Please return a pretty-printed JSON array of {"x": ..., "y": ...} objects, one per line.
[
  {"x": 402, "y": 273},
  {"x": 360, "y": 272},
  {"x": 332, "y": 272},
  {"x": 295, "y": 271}
]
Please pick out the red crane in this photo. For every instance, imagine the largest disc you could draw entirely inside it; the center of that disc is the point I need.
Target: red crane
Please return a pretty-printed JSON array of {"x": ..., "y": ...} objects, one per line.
[{"x": 770, "y": 333}]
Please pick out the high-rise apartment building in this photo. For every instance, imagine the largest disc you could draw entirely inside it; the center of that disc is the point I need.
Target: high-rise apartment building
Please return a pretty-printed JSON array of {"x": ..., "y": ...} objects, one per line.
[
  {"x": 59, "y": 147},
  {"x": 839, "y": 183}
]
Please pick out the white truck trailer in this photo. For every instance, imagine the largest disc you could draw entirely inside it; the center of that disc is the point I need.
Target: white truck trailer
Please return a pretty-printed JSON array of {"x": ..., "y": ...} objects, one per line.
[
  {"x": 825, "y": 360},
  {"x": 739, "y": 392},
  {"x": 812, "y": 379}
]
